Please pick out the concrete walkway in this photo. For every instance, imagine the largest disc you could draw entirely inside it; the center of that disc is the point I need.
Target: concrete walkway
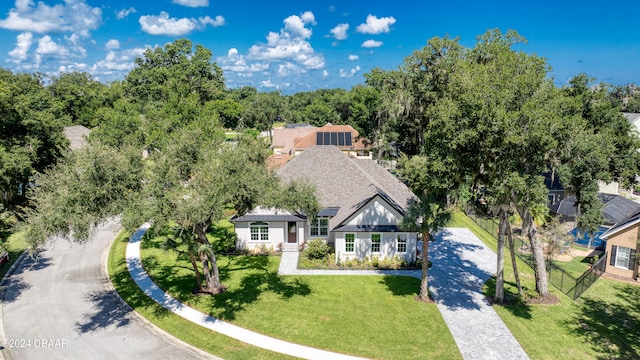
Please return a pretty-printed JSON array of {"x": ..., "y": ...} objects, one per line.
[
  {"x": 461, "y": 265},
  {"x": 141, "y": 278}
]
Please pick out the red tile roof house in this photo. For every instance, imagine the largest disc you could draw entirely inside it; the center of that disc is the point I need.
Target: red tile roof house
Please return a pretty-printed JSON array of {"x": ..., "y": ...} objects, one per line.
[
  {"x": 294, "y": 139},
  {"x": 623, "y": 247},
  {"x": 362, "y": 202}
]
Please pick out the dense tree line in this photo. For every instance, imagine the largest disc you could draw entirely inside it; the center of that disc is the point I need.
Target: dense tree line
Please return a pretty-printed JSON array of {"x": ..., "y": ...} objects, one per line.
[{"x": 476, "y": 124}]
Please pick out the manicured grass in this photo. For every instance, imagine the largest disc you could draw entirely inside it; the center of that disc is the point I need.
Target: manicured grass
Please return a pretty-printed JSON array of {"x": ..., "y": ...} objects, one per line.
[
  {"x": 369, "y": 316},
  {"x": 576, "y": 267},
  {"x": 195, "y": 335},
  {"x": 16, "y": 245},
  {"x": 603, "y": 323}
]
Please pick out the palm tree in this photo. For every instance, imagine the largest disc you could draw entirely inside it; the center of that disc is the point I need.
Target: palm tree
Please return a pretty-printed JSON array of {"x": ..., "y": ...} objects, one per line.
[{"x": 427, "y": 214}]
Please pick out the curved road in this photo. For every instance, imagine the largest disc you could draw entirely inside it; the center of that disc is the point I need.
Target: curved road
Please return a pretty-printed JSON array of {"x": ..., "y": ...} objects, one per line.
[{"x": 61, "y": 306}]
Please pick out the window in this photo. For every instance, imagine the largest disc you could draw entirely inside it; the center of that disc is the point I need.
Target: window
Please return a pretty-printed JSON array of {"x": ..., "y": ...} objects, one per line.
[
  {"x": 349, "y": 242},
  {"x": 623, "y": 255},
  {"x": 375, "y": 243},
  {"x": 259, "y": 231},
  {"x": 320, "y": 227},
  {"x": 402, "y": 243}
]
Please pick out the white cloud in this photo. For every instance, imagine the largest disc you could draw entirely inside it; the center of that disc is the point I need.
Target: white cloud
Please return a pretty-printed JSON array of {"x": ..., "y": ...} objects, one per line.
[
  {"x": 164, "y": 25},
  {"x": 375, "y": 25},
  {"x": 268, "y": 84},
  {"x": 125, "y": 12},
  {"x": 23, "y": 44},
  {"x": 192, "y": 3},
  {"x": 347, "y": 74},
  {"x": 112, "y": 44},
  {"x": 325, "y": 73},
  {"x": 72, "y": 16},
  {"x": 290, "y": 44},
  {"x": 371, "y": 44},
  {"x": 116, "y": 62},
  {"x": 236, "y": 63},
  {"x": 288, "y": 68},
  {"x": 353, "y": 57},
  {"x": 47, "y": 46},
  {"x": 340, "y": 31},
  {"x": 215, "y": 22}
]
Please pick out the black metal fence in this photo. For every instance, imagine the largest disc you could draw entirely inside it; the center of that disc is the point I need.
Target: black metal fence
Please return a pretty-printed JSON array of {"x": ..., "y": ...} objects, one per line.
[{"x": 558, "y": 277}]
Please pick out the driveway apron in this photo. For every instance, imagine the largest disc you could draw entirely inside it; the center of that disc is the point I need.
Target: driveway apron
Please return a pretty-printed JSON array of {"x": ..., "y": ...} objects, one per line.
[
  {"x": 60, "y": 305},
  {"x": 461, "y": 265}
]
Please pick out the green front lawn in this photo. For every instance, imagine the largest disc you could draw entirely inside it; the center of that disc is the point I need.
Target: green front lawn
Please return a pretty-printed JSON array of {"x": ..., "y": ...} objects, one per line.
[
  {"x": 182, "y": 329},
  {"x": 15, "y": 244},
  {"x": 369, "y": 316},
  {"x": 604, "y": 323}
]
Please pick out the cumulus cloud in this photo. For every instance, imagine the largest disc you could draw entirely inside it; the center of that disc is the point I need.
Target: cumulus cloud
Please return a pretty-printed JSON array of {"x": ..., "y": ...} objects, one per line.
[
  {"x": 112, "y": 44},
  {"x": 347, "y": 74},
  {"x": 71, "y": 16},
  {"x": 340, "y": 31},
  {"x": 46, "y": 46},
  {"x": 192, "y": 3},
  {"x": 371, "y": 44},
  {"x": 215, "y": 22},
  {"x": 164, "y": 25},
  {"x": 375, "y": 25},
  {"x": 234, "y": 62},
  {"x": 115, "y": 62},
  {"x": 125, "y": 12},
  {"x": 325, "y": 73},
  {"x": 23, "y": 44},
  {"x": 353, "y": 57},
  {"x": 290, "y": 44}
]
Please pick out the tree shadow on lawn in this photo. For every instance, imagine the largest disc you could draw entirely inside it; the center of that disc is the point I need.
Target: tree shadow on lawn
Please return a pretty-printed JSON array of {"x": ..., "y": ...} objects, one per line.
[
  {"x": 130, "y": 291},
  {"x": 611, "y": 328},
  {"x": 256, "y": 282},
  {"x": 512, "y": 302},
  {"x": 401, "y": 285},
  {"x": 179, "y": 286}
]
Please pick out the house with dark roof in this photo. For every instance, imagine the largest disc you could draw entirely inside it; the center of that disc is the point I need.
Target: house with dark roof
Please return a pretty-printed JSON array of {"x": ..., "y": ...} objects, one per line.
[
  {"x": 362, "y": 207},
  {"x": 623, "y": 243}
]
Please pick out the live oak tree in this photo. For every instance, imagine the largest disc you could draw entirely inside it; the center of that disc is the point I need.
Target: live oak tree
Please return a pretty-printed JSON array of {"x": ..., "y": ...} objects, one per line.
[
  {"x": 31, "y": 134},
  {"x": 190, "y": 184}
]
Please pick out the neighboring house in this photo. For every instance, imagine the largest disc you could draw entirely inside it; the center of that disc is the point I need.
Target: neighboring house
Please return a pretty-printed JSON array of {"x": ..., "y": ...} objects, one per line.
[
  {"x": 634, "y": 120},
  {"x": 294, "y": 139},
  {"x": 363, "y": 205},
  {"x": 77, "y": 136},
  {"x": 623, "y": 243},
  {"x": 555, "y": 190},
  {"x": 615, "y": 208}
]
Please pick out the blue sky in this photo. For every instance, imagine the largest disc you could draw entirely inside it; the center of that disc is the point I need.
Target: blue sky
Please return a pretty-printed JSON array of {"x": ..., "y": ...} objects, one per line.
[{"x": 299, "y": 45}]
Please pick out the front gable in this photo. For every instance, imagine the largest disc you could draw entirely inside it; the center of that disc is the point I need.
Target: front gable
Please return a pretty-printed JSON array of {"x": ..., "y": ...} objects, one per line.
[{"x": 375, "y": 213}]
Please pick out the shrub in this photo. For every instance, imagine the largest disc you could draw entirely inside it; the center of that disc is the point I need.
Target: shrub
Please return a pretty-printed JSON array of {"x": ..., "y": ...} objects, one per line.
[{"x": 317, "y": 249}]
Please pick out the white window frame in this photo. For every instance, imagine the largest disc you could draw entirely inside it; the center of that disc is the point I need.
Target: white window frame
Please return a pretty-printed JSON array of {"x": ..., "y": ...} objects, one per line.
[
  {"x": 625, "y": 258},
  {"x": 402, "y": 239},
  {"x": 260, "y": 230},
  {"x": 379, "y": 242},
  {"x": 319, "y": 227},
  {"x": 353, "y": 243}
]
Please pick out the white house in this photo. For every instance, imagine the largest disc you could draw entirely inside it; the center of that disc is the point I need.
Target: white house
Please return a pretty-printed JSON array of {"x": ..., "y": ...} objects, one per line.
[{"x": 362, "y": 202}]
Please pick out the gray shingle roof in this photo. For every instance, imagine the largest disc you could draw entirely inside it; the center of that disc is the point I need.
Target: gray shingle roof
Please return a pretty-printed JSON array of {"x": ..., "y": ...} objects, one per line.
[
  {"x": 615, "y": 207},
  {"x": 76, "y": 135},
  {"x": 344, "y": 182}
]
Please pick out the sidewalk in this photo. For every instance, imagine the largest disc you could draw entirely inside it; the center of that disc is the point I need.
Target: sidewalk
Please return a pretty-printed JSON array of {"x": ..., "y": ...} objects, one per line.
[{"x": 461, "y": 265}]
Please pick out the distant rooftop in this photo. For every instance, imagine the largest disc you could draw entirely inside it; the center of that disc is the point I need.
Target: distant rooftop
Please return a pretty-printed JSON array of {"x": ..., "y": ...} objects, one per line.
[{"x": 77, "y": 136}]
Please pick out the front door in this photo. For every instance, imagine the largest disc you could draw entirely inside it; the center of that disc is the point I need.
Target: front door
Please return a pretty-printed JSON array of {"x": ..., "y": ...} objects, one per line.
[{"x": 292, "y": 233}]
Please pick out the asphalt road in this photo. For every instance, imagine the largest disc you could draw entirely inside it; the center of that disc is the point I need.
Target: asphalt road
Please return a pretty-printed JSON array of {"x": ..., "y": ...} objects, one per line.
[{"x": 61, "y": 306}]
